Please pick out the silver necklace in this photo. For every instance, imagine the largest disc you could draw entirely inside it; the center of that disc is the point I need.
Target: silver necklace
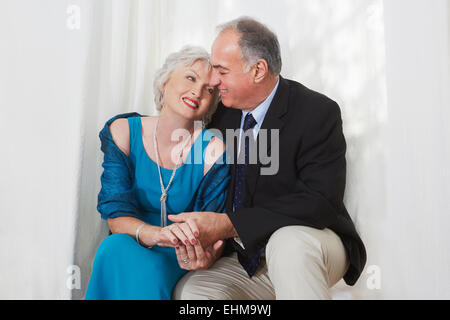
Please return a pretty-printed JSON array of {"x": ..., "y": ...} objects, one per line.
[{"x": 163, "y": 198}]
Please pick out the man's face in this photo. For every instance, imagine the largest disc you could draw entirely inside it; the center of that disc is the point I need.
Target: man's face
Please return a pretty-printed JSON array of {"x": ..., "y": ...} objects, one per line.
[{"x": 228, "y": 71}]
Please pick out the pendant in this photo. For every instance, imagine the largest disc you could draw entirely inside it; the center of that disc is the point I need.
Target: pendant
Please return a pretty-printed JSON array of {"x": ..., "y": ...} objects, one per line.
[{"x": 163, "y": 209}]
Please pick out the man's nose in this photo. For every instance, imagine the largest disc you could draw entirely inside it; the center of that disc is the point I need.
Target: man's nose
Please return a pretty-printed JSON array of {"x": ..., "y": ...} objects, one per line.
[{"x": 214, "y": 81}]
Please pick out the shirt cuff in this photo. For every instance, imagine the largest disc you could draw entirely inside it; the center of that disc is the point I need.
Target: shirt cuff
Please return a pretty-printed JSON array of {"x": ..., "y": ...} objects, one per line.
[{"x": 239, "y": 242}]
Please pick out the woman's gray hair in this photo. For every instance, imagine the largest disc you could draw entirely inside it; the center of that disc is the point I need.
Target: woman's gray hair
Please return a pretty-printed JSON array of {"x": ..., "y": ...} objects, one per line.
[
  {"x": 187, "y": 56},
  {"x": 257, "y": 42}
]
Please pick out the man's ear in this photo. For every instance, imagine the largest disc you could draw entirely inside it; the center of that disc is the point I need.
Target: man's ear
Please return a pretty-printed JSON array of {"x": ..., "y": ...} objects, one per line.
[{"x": 261, "y": 69}]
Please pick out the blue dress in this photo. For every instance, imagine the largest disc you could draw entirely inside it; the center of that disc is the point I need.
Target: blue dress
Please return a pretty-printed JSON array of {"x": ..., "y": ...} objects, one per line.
[{"x": 122, "y": 268}]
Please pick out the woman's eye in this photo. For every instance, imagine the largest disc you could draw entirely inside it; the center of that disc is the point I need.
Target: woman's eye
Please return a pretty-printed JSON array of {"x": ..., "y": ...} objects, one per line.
[
  {"x": 210, "y": 90},
  {"x": 191, "y": 78}
]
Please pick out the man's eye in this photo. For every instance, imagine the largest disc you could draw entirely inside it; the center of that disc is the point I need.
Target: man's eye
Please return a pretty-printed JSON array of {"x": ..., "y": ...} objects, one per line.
[
  {"x": 222, "y": 73},
  {"x": 191, "y": 78}
]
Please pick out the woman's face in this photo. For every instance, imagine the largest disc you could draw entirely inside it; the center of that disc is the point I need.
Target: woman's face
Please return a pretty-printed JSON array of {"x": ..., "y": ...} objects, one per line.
[{"x": 187, "y": 92}]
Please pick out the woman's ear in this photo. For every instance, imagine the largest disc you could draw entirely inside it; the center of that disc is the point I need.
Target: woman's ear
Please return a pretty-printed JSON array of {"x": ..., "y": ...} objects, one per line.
[
  {"x": 163, "y": 90},
  {"x": 261, "y": 70}
]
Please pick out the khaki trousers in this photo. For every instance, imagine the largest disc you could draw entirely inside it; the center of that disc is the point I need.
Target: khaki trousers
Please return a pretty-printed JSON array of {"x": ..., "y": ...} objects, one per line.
[{"x": 300, "y": 263}]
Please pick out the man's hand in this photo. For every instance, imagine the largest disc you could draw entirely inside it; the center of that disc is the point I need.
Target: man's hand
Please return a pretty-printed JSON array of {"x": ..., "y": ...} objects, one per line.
[
  {"x": 209, "y": 227},
  {"x": 196, "y": 258},
  {"x": 177, "y": 234}
]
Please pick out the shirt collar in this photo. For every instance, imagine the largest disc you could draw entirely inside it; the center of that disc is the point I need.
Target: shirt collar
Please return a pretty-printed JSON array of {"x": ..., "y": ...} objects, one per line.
[{"x": 259, "y": 113}]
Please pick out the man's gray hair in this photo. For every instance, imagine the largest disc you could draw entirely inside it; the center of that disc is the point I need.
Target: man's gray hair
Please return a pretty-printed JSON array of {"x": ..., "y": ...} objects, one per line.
[
  {"x": 257, "y": 42},
  {"x": 187, "y": 56}
]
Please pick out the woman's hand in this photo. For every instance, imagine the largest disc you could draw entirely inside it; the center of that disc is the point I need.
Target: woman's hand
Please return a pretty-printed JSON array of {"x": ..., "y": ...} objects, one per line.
[
  {"x": 196, "y": 257},
  {"x": 211, "y": 226},
  {"x": 177, "y": 234}
]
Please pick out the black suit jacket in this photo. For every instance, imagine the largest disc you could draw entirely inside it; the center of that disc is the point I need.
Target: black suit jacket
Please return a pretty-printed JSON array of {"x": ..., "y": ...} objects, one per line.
[{"x": 308, "y": 188}]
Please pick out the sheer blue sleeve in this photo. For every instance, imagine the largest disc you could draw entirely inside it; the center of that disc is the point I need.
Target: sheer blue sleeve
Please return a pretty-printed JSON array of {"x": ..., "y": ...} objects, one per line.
[
  {"x": 116, "y": 197},
  {"x": 213, "y": 189}
]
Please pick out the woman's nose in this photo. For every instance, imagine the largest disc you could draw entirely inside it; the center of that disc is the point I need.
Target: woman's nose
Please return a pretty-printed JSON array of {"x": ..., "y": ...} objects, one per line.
[{"x": 196, "y": 90}]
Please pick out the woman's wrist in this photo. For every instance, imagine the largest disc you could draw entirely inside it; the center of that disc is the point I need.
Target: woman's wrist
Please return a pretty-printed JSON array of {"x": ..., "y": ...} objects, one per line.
[{"x": 148, "y": 235}]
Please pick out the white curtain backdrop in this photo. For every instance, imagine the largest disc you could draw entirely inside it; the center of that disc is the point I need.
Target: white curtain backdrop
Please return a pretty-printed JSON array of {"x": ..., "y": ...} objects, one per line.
[{"x": 68, "y": 66}]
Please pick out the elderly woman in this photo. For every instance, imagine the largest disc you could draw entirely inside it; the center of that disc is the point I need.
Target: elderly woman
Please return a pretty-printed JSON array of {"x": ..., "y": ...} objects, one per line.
[{"x": 155, "y": 166}]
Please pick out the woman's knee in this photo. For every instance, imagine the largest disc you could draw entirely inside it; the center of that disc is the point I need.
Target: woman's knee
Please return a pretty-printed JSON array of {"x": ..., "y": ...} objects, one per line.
[{"x": 114, "y": 243}]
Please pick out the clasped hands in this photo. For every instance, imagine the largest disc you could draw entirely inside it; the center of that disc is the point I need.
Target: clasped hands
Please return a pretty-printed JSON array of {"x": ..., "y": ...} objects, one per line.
[{"x": 194, "y": 237}]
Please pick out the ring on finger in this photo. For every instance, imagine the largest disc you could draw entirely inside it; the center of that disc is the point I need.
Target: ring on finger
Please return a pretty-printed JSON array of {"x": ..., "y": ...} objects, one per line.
[{"x": 185, "y": 261}]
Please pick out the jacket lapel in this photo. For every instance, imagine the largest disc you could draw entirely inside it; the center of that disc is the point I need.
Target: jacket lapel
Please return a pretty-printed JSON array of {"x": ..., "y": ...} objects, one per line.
[
  {"x": 231, "y": 120},
  {"x": 272, "y": 120}
]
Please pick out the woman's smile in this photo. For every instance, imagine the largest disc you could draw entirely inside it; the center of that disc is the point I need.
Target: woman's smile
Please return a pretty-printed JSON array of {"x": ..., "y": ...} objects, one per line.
[{"x": 191, "y": 103}]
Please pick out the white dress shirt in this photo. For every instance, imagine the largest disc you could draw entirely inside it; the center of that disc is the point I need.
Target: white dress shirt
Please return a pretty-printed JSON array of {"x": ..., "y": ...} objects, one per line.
[{"x": 259, "y": 113}]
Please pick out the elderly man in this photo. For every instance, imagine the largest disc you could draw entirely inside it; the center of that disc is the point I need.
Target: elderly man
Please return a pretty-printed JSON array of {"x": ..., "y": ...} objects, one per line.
[{"x": 288, "y": 233}]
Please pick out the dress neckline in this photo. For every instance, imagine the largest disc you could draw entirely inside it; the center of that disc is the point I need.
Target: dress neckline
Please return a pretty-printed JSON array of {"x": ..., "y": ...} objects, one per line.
[{"x": 152, "y": 161}]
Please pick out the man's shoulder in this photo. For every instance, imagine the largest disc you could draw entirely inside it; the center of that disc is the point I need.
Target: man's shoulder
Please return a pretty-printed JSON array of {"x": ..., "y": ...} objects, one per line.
[
  {"x": 308, "y": 102},
  {"x": 301, "y": 92}
]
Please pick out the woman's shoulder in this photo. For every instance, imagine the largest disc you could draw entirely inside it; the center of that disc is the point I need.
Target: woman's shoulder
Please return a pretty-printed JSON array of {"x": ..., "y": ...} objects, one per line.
[
  {"x": 214, "y": 150},
  {"x": 122, "y": 116},
  {"x": 147, "y": 124},
  {"x": 120, "y": 130},
  {"x": 120, "y": 133},
  {"x": 214, "y": 139}
]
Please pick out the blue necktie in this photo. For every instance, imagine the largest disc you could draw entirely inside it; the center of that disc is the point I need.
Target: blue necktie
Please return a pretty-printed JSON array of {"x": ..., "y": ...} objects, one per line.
[{"x": 249, "y": 264}]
